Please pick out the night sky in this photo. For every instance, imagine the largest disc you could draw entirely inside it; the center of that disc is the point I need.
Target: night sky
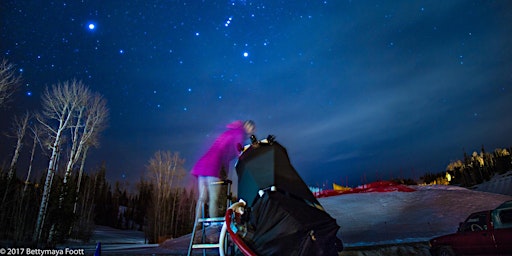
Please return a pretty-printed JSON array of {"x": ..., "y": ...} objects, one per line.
[{"x": 352, "y": 89}]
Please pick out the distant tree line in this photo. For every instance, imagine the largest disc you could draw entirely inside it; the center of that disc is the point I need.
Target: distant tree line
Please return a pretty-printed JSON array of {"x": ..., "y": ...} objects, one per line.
[
  {"x": 473, "y": 169},
  {"x": 171, "y": 208},
  {"x": 45, "y": 207}
]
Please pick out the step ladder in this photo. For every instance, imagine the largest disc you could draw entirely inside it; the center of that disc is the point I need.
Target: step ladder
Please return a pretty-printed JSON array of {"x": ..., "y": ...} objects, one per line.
[{"x": 204, "y": 222}]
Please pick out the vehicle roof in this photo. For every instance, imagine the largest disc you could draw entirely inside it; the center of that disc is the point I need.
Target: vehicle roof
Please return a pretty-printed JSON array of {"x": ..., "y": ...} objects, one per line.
[
  {"x": 480, "y": 212},
  {"x": 507, "y": 204}
]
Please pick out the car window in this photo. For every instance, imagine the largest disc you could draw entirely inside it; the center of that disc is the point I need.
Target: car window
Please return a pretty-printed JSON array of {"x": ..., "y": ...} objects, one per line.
[
  {"x": 506, "y": 216},
  {"x": 476, "y": 222},
  {"x": 502, "y": 218}
]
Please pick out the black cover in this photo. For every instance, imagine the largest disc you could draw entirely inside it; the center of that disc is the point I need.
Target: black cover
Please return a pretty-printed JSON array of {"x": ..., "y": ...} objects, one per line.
[
  {"x": 267, "y": 164},
  {"x": 289, "y": 220}
]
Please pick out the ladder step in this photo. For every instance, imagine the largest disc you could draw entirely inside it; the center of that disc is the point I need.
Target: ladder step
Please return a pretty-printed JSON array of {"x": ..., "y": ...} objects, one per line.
[
  {"x": 215, "y": 219},
  {"x": 205, "y": 246}
]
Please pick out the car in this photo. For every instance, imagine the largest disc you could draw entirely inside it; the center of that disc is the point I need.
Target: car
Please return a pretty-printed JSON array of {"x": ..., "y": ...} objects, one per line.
[{"x": 482, "y": 233}]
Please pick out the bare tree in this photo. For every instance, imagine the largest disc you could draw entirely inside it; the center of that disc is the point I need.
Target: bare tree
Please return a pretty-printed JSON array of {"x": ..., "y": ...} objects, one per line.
[
  {"x": 164, "y": 169},
  {"x": 59, "y": 108},
  {"x": 9, "y": 81},
  {"x": 20, "y": 127},
  {"x": 8, "y": 217},
  {"x": 95, "y": 121},
  {"x": 89, "y": 122},
  {"x": 76, "y": 131}
]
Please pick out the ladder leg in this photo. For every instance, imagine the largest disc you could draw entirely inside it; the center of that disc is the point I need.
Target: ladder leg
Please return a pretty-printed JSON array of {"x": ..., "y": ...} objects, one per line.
[
  {"x": 201, "y": 219},
  {"x": 203, "y": 230},
  {"x": 199, "y": 207}
]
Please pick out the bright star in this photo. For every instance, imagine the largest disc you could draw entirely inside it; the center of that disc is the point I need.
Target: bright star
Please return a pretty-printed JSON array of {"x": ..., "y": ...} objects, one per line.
[
  {"x": 91, "y": 26},
  {"x": 246, "y": 54}
]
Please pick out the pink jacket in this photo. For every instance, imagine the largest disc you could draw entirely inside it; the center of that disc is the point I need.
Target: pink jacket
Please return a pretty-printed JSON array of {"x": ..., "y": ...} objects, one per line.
[{"x": 225, "y": 148}]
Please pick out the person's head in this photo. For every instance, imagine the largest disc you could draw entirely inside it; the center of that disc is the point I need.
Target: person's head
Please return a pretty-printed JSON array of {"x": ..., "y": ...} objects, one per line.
[{"x": 249, "y": 126}]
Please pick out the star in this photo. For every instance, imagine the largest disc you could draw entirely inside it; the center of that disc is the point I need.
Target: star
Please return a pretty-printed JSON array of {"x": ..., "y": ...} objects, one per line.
[
  {"x": 228, "y": 22},
  {"x": 91, "y": 26}
]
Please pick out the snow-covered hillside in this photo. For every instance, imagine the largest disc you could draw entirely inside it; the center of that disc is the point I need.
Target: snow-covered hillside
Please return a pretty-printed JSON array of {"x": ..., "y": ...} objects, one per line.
[{"x": 499, "y": 184}]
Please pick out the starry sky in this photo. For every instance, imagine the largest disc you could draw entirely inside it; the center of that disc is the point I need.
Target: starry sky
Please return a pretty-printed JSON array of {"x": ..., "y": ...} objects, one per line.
[{"x": 355, "y": 90}]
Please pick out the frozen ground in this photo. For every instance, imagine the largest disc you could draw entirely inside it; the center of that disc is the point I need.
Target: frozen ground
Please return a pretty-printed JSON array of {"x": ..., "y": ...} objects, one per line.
[{"x": 391, "y": 223}]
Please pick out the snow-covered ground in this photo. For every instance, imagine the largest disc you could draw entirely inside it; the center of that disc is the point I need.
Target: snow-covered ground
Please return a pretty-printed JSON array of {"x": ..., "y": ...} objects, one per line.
[
  {"x": 398, "y": 217},
  {"x": 113, "y": 241},
  {"x": 370, "y": 222}
]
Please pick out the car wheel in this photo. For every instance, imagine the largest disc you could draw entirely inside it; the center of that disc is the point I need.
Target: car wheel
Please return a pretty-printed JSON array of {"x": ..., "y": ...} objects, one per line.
[{"x": 446, "y": 251}]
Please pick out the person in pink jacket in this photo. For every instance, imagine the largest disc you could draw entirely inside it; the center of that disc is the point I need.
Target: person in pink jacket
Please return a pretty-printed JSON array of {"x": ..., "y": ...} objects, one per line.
[{"x": 224, "y": 149}]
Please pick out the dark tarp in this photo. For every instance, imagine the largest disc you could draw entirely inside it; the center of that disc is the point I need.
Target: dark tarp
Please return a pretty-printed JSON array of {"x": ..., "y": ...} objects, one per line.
[
  {"x": 289, "y": 220},
  {"x": 266, "y": 165}
]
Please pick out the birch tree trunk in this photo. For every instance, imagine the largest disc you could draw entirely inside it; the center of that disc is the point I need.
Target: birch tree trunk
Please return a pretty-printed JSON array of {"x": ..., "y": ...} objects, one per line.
[
  {"x": 35, "y": 140},
  {"x": 79, "y": 182},
  {"x": 73, "y": 156}
]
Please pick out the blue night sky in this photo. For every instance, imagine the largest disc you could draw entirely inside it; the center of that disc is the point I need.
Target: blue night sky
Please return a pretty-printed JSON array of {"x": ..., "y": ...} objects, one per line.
[{"x": 351, "y": 88}]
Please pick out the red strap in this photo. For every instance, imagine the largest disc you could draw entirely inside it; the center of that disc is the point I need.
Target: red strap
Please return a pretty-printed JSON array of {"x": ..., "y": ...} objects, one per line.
[{"x": 239, "y": 242}]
